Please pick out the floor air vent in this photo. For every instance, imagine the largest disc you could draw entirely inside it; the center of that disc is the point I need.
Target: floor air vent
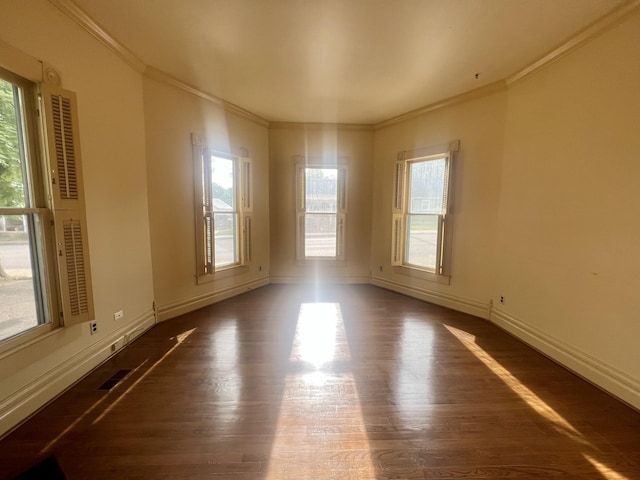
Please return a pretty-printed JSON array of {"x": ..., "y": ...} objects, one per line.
[{"x": 115, "y": 380}]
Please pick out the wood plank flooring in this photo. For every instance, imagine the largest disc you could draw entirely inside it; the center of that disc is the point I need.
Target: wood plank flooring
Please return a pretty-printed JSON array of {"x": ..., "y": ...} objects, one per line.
[{"x": 339, "y": 382}]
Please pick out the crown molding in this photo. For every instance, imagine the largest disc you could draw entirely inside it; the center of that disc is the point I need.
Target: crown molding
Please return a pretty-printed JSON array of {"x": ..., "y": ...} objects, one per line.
[
  {"x": 319, "y": 126},
  {"x": 162, "y": 77},
  {"x": 494, "y": 87},
  {"x": 73, "y": 11},
  {"x": 608, "y": 21},
  {"x": 591, "y": 31}
]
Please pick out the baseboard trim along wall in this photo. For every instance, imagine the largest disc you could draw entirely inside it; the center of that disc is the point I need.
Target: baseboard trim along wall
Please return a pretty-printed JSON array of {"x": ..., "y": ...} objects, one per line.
[
  {"x": 461, "y": 304},
  {"x": 595, "y": 371},
  {"x": 22, "y": 404},
  {"x": 171, "y": 310}
]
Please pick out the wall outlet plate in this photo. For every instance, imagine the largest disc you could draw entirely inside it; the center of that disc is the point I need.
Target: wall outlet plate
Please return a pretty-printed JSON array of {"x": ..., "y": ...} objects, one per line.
[{"x": 118, "y": 315}]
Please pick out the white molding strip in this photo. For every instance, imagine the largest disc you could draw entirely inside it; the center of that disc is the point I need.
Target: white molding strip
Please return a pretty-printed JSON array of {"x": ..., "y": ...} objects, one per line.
[
  {"x": 461, "y": 304},
  {"x": 75, "y": 13},
  {"x": 20, "y": 405},
  {"x": 606, "y": 377},
  {"x": 171, "y": 310},
  {"x": 160, "y": 76},
  {"x": 600, "y": 26},
  {"x": 320, "y": 126},
  {"x": 494, "y": 87}
]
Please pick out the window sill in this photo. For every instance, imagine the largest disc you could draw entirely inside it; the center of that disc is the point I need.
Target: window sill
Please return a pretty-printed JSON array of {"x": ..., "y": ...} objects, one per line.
[
  {"x": 328, "y": 261},
  {"x": 226, "y": 272},
  {"x": 422, "y": 274},
  {"x": 23, "y": 340}
]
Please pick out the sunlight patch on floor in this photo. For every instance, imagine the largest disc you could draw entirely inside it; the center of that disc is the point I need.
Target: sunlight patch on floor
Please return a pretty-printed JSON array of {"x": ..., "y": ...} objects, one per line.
[
  {"x": 606, "y": 472},
  {"x": 534, "y": 401},
  {"x": 179, "y": 340},
  {"x": 320, "y": 422}
]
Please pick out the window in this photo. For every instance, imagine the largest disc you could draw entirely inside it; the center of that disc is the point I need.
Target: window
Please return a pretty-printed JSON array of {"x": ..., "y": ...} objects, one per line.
[
  {"x": 223, "y": 221},
  {"x": 45, "y": 279},
  {"x": 421, "y": 218},
  {"x": 321, "y": 211}
]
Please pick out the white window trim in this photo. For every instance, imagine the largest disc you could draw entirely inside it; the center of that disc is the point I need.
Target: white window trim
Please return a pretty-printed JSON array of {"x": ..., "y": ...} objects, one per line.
[
  {"x": 206, "y": 271},
  {"x": 442, "y": 273},
  {"x": 61, "y": 212},
  {"x": 301, "y": 163}
]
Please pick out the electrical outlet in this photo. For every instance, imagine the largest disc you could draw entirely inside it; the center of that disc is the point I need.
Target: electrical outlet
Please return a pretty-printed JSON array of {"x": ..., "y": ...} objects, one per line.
[
  {"x": 118, "y": 315},
  {"x": 94, "y": 327},
  {"x": 380, "y": 267},
  {"x": 502, "y": 299}
]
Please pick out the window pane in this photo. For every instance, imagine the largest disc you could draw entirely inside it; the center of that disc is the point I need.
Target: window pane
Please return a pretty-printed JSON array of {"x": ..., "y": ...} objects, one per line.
[
  {"x": 225, "y": 238},
  {"x": 427, "y": 186},
  {"x": 320, "y": 235},
  {"x": 20, "y": 304},
  {"x": 422, "y": 240},
  {"x": 321, "y": 187},
  {"x": 222, "y": 172},
  {"x": 12, "y": 183}
]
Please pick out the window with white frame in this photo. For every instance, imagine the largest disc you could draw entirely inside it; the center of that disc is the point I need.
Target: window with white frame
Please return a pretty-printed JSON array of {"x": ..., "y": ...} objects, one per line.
[
  {"x": 224, "y": 206},
  {"x": 45, "y": 279},
  {"x": 321, "y": 210},
  {"x": 421, "y": 210}
]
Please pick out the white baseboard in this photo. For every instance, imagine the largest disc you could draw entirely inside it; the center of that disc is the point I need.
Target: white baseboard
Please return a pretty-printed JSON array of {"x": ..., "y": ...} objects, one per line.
[
  {"x": 165, "y": 312},
  {"x": 461, "y": 304},
  {"x": 610, "y": 379},
  {"x": 22, "y": 404}
]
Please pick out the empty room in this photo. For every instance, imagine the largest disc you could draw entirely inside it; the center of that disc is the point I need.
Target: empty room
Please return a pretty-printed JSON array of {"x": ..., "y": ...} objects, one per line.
[{"x": 332, "y": 239}]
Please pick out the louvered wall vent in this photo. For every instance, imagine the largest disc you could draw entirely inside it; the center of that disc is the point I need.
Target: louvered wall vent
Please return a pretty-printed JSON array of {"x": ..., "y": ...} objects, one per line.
[{"x": 114, "y": 380}]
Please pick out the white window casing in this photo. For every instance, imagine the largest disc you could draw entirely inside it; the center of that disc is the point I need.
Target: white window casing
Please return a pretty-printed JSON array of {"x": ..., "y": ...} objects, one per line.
[
  {"x": 401, "y": 209},
  {"x": 204, "y": 211},
  {"x": 301, "y": 166}
]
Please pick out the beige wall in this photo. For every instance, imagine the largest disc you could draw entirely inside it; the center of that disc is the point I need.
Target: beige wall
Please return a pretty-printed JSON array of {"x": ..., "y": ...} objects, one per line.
[
  {"x": 171, "y": 116},
  {"x": 546, "y": 204},
  {"x": 479, "y": 125},
  {"x": 568, "y": 235},
  {"x": 111, "y": 120},
  {"x": 355, "y": 145}
]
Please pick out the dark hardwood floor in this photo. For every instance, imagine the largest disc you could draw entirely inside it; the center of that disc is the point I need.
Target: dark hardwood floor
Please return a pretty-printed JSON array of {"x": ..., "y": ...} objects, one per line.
[{"x": 340, "y": 382}]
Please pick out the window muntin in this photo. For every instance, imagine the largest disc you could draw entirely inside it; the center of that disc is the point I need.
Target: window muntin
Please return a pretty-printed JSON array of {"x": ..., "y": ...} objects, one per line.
[
  {"x": 23, "y": 292},
  {"x": 321, "y": 211}
]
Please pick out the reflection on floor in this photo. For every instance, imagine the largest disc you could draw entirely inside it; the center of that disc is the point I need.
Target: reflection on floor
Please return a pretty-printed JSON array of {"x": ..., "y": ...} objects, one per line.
[{"x": 339, "y": 382}]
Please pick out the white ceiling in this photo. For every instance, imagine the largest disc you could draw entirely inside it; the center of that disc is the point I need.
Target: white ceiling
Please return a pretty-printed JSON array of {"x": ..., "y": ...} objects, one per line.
[{"x": 341, "y": 61}]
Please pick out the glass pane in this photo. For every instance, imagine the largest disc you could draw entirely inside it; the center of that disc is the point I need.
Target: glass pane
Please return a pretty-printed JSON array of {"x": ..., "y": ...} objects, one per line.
[
  {"x": 12, "y": 184},
  {"x": 427, "y": 186},
  {"x": 321, "y": 187},
  {"x": 320, "y": 235},
  {"x": 224, "y": 238},
  {"x": 422, "y": 240},
  {"x": 19, "y": 296},
  {"x": 222, "y": 179}
]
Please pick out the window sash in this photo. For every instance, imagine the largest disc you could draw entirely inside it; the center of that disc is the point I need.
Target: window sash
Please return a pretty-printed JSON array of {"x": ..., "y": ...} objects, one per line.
[
  {"x": 223, "y": 231},
  {"x": 308, "y": 246},
  {"x": 422, "y": 247},
  {"x": 53, "y": 206}
]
